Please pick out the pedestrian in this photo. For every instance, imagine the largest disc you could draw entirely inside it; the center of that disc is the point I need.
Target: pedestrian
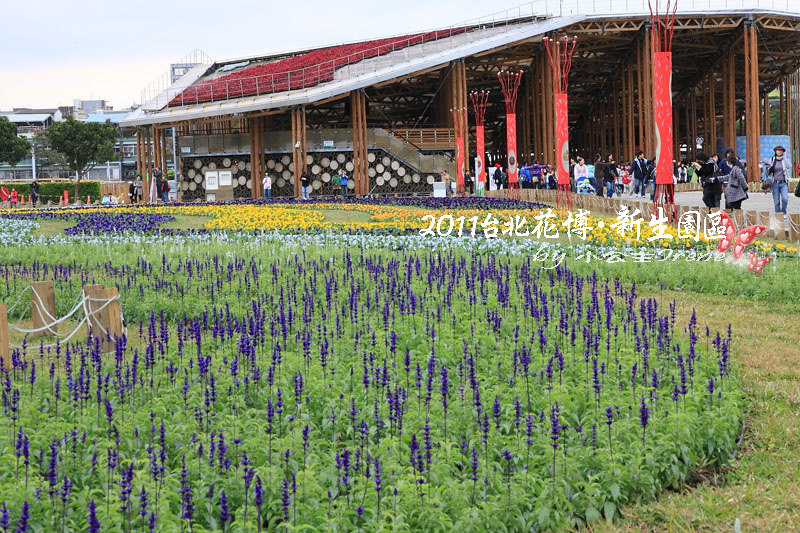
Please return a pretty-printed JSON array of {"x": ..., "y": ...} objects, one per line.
[
  {"x": 138, "y": 187},
  {"x": 599, "y": 174},
  {"x": 266, "y": 183},
  {"x": 779, "y": 171},
  {"x": 710, "y": 177},
  {"x": 14, "y": 198},
  {"x": 468, "y": 182},
  {"x": 736, "y": 191},
  {"x": 343, "y": 182},
  {"x": 34, "y": 192},
  {"x": 609, "y": 175},
  {"x": 683, "y": 173},
  {"x": 581, "y": 172},
  {"x": 639, "y": 167},
  {"x": 305, "y": 184}
]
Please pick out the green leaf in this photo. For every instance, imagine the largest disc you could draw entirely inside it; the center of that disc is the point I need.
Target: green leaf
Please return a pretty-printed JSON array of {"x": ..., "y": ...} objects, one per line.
[{"x": 609, "y": 509}]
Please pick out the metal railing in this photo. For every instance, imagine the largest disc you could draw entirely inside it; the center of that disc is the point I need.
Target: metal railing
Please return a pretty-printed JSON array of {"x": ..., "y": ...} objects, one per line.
[{"x": 306, "y": 77}]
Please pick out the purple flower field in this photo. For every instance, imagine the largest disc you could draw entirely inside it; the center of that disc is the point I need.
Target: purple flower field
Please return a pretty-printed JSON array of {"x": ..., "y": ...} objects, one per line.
[{"x": 262, "y": 390}]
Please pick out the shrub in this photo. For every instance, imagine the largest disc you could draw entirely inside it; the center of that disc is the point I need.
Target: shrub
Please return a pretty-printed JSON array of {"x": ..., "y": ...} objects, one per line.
[{"x": 53, "y": 191}]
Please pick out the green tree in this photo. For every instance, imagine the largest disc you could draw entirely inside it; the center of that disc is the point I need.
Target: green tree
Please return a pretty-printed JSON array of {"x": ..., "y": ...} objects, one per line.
[
  {"x": 12, "y": 147},
  {"x": 83, "y": 144}
]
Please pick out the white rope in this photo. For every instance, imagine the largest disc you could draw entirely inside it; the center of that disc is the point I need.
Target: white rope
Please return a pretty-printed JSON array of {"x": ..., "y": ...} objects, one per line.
[
  {"x": 19, "y": 299},
  {"x": 42, "y": 307},
  {"x": 50, "y": 325},
  {"x": 60, "y": 342}
]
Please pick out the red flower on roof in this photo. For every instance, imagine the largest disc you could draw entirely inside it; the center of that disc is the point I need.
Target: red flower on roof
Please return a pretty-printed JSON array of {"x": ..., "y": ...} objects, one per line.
[{"x": 298, "y": 72}]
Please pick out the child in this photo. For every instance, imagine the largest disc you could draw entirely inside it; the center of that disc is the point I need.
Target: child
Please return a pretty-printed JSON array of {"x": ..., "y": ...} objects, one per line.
[{"x": 14, "y": 198}]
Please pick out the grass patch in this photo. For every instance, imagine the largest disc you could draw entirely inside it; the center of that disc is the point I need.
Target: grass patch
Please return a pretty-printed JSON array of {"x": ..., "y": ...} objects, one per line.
[
  {"x": 51, "y": 228},
  {"x": 184, "y": 222},
  {"x": 761, "y": 486},
  {"x": 339, "y": 216}
]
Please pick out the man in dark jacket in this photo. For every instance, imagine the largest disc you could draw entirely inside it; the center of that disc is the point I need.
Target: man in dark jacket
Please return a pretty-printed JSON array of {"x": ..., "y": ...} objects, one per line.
[
  {"x": 710, "y": 178},
  {"x": 639, "y": 168}
]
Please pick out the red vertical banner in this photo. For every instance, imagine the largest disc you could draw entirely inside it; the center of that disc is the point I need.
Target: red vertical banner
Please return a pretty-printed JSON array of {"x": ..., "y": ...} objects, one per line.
[
  {"x": 662, "y": 96},
  {"x": 480, "y": 175},
  {"x": 562, "y": 138},
  {"x": 511, "y": 139},
  {"x": 460, "y": 162}
]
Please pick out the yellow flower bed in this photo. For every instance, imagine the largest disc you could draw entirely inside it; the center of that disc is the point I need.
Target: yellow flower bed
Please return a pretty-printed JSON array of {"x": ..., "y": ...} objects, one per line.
[{"x": 310, "y": 217}]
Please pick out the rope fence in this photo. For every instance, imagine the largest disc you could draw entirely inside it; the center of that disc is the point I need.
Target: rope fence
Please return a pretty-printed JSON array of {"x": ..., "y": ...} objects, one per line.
[{"x": 96, "y": 306}]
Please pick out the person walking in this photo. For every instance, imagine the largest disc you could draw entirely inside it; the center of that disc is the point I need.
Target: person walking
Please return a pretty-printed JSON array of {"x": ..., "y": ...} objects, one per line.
[
  {"x": 639, "y": 168},
  {"x": 736, "y": 190},
  {"x": 14, "y": 198},
  {"x": 34, "y": 192},
  {"x": 779, "y": 170},
  {"x": 266, "y": 184},
  {"x": 305, "y": 183},
  {"x": 709, "y": 175}
]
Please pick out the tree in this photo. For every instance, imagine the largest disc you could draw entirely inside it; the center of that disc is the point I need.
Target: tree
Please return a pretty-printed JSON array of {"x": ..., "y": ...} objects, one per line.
[
  {"x": 12, "y": 147},
  {"x": 83, "y": 144},
  {"x": 45, "y": 155}
]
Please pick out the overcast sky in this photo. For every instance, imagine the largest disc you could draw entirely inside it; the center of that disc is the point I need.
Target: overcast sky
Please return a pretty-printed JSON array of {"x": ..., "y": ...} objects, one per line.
[{"x": 52, "y": 51}]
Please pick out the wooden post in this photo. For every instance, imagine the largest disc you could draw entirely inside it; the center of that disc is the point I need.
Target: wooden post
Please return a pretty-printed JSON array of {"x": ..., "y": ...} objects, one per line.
[
  {"x": 4, "y": 340},
  {"x": 43, "y": 307},
  {"x": 106, "y": 322},
  {"x": 114, "y": 316},
  {"x": 752, "y": 101}
]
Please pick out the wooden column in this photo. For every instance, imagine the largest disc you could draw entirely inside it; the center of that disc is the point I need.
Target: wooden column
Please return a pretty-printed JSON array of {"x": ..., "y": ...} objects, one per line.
[
  {"x": 649, "y": 107},
  {"x": 550, "y": 119},
  {"x": 640, "y": 90},
  {"x": 536, "y": 104},
  {"x": 712, "y": 112},
  {"x": 257, "y": 167},
  {"x": 43, "y": 307},
  {"x": 729, "y": 99},
  {"x": 752, "y": 101},
  {"x": 148, "y": 150},
  {"x": 298, "y": 154},
  {"x": 693, "y": 129},
  {"x": 358, "y": 117},
  {"x": 767, "y": 129},
  {"x": 4, "y": 340},
  {"x": 629, "y": 113},
  {"x": 138, "y": 151},
  {"x": 458, "y": 100}
]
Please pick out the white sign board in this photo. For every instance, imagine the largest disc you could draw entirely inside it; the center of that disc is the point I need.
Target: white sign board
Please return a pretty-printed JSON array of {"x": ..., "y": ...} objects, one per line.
[
  {"x": 225, "y": 178},
  {"x": 212, "y": 180},
  {"x": 439, "y": 190},
  {"x": 327, "y": 144},
  {"x": 186, "y": 149}
]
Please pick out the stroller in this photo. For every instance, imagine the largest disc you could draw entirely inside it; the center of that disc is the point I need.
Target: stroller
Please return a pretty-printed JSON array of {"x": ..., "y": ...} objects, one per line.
[{"x": 584, "y": 186}]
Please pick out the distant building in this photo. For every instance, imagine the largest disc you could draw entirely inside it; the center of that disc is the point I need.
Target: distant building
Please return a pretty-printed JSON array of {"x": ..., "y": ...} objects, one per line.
[{"x": 91, "y": 106}]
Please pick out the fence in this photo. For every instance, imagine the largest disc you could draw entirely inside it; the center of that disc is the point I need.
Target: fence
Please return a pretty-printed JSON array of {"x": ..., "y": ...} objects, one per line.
[{"x": 96, "y": 306}]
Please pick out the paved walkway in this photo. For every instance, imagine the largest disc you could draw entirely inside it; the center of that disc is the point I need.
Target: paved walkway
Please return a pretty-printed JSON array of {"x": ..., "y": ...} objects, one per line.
[{"x": 758, "y": 201}]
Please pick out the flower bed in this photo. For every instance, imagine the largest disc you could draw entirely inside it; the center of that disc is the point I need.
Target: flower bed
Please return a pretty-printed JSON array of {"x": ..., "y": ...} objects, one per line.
[{"x": 263, "y": 388}]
